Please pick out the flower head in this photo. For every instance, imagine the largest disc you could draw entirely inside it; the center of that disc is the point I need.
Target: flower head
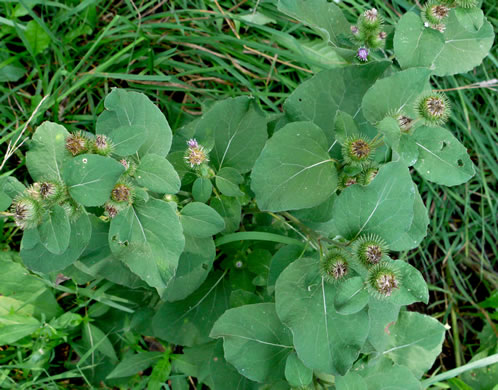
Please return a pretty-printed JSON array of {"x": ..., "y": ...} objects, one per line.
[
  {"x": 27, "y": 212},
  {"x": 102, "y": 145},
  {"x": 346, "y": 181},
  {"x": 76, "y": 144},
  {"x": 334, "y": 267},
  {"x": 111, "y": 210},
  {"x": 369, "y": 174},
  {"x": 122, "y": 192},
  {"x": 370, "y": 20},
  {"x": 195, "y": 154},
  {"x": 369, "y": 249},
  {"x": 357, "y": 150},
  {"x": 434, "y": 108},
  {"x": 362, "y": 54},
  {"x": 382, "y": 280}
]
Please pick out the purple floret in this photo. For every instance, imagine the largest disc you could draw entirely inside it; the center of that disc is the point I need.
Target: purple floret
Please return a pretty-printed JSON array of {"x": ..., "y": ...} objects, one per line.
[{"x": 362, "y": 54}]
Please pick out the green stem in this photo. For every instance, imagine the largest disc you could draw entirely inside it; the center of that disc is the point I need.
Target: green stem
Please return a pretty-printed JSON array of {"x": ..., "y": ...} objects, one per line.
[
  {"x": 460, "y": 370},
  {"x": 258, "y": 236}
]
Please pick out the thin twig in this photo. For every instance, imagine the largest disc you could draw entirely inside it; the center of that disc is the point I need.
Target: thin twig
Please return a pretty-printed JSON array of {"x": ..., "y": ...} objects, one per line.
[
  {"x": 13, "y": 147},
  {"x": 489, "y": 84}
]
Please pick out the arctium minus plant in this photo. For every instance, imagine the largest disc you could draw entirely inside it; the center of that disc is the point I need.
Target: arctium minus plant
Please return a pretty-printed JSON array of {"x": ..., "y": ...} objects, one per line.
[{"x": 267, "y": 249}]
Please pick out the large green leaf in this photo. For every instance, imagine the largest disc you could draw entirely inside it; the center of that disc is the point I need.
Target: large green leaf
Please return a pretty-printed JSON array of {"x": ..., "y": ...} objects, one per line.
[
  {"x": 36, "y": 37},
  {"x": 38, "y": 258},
  {"x": 351, "y": 297},
  {"x": 418, "y": 229},
  {"x": 395, "y": 94},
  {"x": 321, "y": 97},
  {"x": 157, "y": 175},
  {"x": 317, "y": 54},
  {"x": 10, "y": 187},
  {"x": 281, "y": 259},
  {"x": 94, "y": 338},
  {"x": 384, "y": 207},
  {"x": 326, "y": 18},
  {"x": 91, "y": 178},
  {"x": 382, "y": 315},
  {"x": 442, "y": 158},
  {"x": 127, "y": 108},
  {"x": 255, "y": 341},
  {"x": 229, "y": 208},
  {"x": 34, "y": 291},
  {"x": 294, "y": 171},
  {"x": 55, "y": 230},
  {"x": 463, "y": 45},
  {"x": 194, "y": 265},
  {"x": 228, "y": 180},
  {"x": 126, "y": 140},
  {"x": 415, "y": 341},
  {"x": 235, "y": 129},
  {"x": 188, "y": 322},
  {"x": 296, "y": 373},
  {"x": 200, "y": 220},
  {"x": 97, "y": 259},
  {"x": 148, "y": 238},
  {"x": 324, "y": 339},
  {"x": 133, "y": 364},
  {"x": 351, "y": 381},
  {"x": 202, "y": 189},
  {"x": 47, "y": 152},
  {"x": 207, "y": 363},
  {"x": 14, "y": 327},
  {"x": 382, "y": 374}
]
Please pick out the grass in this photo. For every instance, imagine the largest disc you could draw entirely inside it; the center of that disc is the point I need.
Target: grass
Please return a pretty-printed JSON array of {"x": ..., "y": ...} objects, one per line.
[{"x": 186, "y": 53}]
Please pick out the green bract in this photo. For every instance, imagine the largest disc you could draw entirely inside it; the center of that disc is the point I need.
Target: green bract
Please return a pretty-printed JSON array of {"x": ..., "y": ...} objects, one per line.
[{"x": 261, "y": 246}]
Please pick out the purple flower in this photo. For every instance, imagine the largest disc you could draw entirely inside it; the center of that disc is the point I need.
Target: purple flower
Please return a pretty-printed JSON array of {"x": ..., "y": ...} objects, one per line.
[
  {"x": 192, "y": 143},
  {"x": 362, "y": 54}
]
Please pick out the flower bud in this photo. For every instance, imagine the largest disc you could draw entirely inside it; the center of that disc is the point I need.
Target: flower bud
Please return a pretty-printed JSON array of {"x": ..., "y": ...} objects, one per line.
[
  {"x": 76, "y": 144},
  {"x": 50, "y": 191},
  {"x": 27, "y": 212},
  {"x": 73, "y": 210},
  {"x": 370, "y": 20},
  {"x": 102, "y": 145},
  {"x": 334, "y": 267},
  {"x": 434, "y": 108},
  {"x": 369, "y": 249},
  {"x": 357, "y": 150},
  {"x": 382, "y": 280},
  {"x": 346, "y": 181},
  {"x": 112, "y": 209},
  {"x": 441, "y": 27},
  {"x": 368, "y": 175},
  {"x": 434, "y": 12},
  {"x": 405, "y": 123}
]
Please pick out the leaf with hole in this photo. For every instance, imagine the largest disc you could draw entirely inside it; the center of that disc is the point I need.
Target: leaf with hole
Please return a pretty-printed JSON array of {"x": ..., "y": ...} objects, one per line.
[{"x": 442, "y": 158}]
